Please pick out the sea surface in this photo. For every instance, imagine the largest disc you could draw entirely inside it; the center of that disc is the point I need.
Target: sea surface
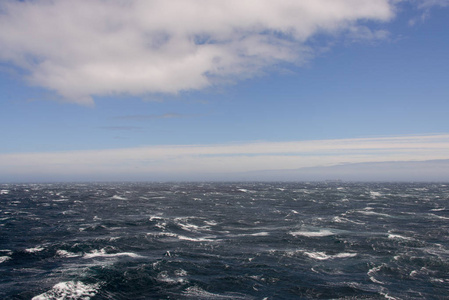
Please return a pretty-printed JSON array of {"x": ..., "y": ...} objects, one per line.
[{"x": 329, "y": 240}]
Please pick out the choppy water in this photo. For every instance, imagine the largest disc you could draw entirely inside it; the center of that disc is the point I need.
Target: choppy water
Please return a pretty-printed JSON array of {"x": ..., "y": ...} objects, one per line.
[{"x": 224, "y": 241}]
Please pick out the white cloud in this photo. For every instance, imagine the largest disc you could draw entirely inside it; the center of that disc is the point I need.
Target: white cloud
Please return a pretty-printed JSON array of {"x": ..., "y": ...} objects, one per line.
[
  {"x": 194, "y": 161},
  {"x": 94, "y": 47}
]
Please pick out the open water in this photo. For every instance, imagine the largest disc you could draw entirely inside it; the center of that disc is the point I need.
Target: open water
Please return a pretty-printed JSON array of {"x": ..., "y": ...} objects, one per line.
[{"x": 224, "y": 241}]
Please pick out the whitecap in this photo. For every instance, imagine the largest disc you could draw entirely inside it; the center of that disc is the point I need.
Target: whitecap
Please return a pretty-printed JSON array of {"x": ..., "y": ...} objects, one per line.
[
  {"x": 195, "y": 292},
  {"x": 162, "y": 234},
  {"x": 165, "y": 277},
  {"x": 373, "y": 213},
  {"x": 183, "y": 223},
  {"x": 400, "y": 237},
  {"x": 438, "y": 217},
  {"x": 4, "y": 258},
  {"x": 320, "y": 233},
  {"x": 69, "y": 290},
  {"x": 371, "y": 272},
  {"x": 117, "y": 197},
  {"x": 438, "y": 209},
  {"x": 374, "y": 194},
  {"x": 201, "y": 239},
  {"x": 388, "y": 296},
  {"x": 324, "y": 256},
  {"x": 189, "y": 227},
  {"x": 211, "y": 223},
  {"x": 103, "y": 253},
  {"x": 180, "y": 272},
  {"x": 60, "y": 200},
  {"x": 152, "y": 218},
  {"x": 34, "y": 250},
  {"x": 4, "y": 192},
  {"x": 64, "y": 253},
  {"x": 264, "y": 233},
  {"x": 339, "y": 220}
]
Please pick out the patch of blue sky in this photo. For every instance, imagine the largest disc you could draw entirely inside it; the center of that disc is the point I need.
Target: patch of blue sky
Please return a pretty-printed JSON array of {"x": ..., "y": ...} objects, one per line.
[{"x": 349, "y": 84}]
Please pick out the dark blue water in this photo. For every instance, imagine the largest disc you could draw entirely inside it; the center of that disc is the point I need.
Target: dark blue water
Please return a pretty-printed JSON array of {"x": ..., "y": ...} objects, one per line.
[{"x": 224, "y": 241}]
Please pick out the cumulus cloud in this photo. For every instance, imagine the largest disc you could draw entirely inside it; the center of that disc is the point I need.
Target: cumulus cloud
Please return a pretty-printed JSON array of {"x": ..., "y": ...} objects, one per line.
[
  {"x": 86, "y": 48},
  {"x": 187, "y": 162}
]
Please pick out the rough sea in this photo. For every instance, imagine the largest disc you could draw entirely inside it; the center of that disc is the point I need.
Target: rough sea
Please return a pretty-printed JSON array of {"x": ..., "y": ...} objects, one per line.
[{"x": 329, "y": 240}]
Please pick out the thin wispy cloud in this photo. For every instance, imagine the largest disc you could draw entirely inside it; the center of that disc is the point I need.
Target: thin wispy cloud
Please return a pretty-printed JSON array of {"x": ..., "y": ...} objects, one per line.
[
  {"x": 152, "y": 116},
  {"x": 431, "y": 3},
  {"x": 121, "y": 128},
  {"x": 191, "y": 161},
  {"x": 425, "y": 7},
  {"x": 86, "y": 48}
]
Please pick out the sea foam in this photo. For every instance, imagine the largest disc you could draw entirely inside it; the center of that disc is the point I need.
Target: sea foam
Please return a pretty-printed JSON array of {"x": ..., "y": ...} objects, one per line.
[
  {"x": 324, "y": 256},
  {"x": 4, "y": 258},
  {"x": 69, "y": 290},
  {"x": 103, "y": 253},
  {"x": 320, "y": 233}
]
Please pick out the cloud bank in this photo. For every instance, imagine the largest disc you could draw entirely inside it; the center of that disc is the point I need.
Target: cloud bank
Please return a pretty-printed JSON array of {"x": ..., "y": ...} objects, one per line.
[
  {"x": 86, "y": 48},
  {"x": 222, "y": 162}
]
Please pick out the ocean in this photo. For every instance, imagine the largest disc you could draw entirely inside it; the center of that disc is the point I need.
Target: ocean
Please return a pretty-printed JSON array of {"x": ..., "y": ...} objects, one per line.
[{"x": 327, "y": 240}]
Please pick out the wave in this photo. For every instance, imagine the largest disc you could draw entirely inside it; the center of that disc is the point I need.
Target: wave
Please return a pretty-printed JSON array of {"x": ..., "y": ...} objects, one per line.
[
  {"x": 438, "y": 217},
  {"x": 200, "y": 239},
  {"x": 438, "y": 209},
  {"x": 185, "y": 225},
  {"x": 60, "y": 200},
  {"x": 263, "y": 233},
  {"x": 165, "y": 277},
  {"x": 208, "y": 238},
  {"x": 229, "y": 245},
  {"x": 371, "y": 272},
  {"x": 34, "y": 250},
  {"x": 400, "y": 237},
  {"x": 374, "y": 195},
  {"x": 162, "y": 234},
  {"x": 4, "y": 258},
  {"x": 195, "y": 292},
  {"x": 346, "y": 220},
  {"x": 373, "y": 213},
  {"x": 324, "y": 256},
  {"x": 103, "y": 253},
  {"x": 324, "y": 232},
  {"x": 64, "y": 253},
  {"x": 69, "y": 290}
]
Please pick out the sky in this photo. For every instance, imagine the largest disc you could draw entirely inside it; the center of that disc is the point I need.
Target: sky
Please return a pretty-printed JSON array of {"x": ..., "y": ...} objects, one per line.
[{"x": 153, "y": 90}]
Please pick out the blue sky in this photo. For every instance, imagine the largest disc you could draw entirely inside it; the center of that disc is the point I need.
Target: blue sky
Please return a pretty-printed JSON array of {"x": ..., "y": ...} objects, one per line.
[{"x": 274, "y": 86}]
